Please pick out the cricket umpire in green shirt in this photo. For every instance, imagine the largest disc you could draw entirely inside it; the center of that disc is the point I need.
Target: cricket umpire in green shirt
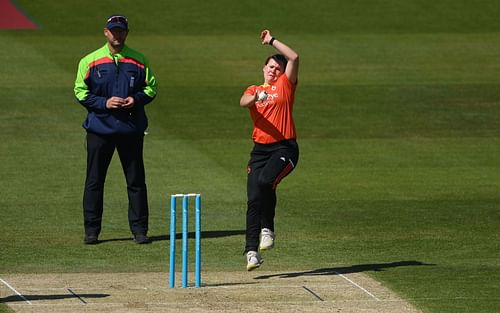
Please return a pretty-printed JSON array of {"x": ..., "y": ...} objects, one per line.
[{"x": 114, "y": 83}]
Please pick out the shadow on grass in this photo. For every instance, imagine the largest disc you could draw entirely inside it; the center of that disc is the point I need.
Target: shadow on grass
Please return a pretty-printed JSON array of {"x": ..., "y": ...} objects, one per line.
[
  {"x": 16, "y": 298},
  {"x": 204, "y": 234},
  {"x": 347, "y": 270}
]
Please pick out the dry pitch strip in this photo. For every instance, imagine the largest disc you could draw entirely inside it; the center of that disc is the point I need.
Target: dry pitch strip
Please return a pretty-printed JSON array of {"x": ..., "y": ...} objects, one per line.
[{"x": 307, "y": 291}]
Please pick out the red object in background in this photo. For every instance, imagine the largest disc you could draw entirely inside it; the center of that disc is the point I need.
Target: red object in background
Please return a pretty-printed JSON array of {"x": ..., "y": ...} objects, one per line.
[{"x": 12, "y": 18}]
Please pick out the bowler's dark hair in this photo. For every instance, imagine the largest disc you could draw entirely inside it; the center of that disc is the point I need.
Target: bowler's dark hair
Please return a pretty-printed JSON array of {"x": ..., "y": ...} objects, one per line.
[{"x": 280, "y": 58}]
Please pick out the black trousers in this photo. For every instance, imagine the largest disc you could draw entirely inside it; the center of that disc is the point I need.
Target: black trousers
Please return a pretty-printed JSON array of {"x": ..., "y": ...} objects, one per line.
[
  {"x": 268, "y": 165},
  {"x": 100, "y": 149}
]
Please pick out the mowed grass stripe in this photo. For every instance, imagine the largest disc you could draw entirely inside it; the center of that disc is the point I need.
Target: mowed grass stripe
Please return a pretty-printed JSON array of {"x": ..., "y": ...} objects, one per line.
[{"x": 352, "y": 59}]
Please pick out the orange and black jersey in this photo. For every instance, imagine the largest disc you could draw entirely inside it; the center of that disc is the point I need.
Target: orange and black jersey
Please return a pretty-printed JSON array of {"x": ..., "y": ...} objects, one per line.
[{"x": 272, "y": 118}]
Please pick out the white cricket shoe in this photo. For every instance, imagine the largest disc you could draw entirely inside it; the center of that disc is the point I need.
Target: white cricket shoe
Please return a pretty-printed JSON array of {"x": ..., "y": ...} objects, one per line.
[
  {"x": 266, "y": 239},
  {"x": 253, "y": 260}
]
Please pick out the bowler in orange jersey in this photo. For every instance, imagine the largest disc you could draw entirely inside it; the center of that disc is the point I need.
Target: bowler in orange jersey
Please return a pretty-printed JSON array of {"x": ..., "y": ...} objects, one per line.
[{"x": 275, "y": 153}]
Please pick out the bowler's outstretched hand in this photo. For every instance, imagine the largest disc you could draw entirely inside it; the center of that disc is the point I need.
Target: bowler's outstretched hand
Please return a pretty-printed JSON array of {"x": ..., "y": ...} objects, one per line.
[{"x": 265, "y": 36}]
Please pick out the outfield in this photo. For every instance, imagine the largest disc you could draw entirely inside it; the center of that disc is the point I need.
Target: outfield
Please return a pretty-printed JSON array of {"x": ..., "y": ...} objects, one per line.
[{"x": 397, "y": 111}]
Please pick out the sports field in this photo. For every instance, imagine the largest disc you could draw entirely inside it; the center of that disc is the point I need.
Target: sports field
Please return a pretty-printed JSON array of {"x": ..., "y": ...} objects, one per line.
[{"x": 397, "y": 187}]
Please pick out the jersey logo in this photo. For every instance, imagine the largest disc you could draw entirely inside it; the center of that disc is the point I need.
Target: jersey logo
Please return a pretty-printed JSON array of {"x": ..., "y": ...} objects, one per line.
[{"x": 269, "y": 100}]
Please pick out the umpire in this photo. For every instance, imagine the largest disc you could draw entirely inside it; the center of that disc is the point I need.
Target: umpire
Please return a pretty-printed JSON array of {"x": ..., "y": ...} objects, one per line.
[{"x": 114, "y": 83}]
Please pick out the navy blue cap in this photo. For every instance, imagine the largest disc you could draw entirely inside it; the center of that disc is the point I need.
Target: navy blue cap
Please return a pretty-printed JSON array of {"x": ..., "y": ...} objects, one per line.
[{"x": 117, "y": 21}]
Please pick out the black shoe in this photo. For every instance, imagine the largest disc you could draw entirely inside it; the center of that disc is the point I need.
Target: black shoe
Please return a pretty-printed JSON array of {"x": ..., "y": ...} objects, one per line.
[
  {"x": 90, "y": 239},
  {"x": 141, "y": 239}
]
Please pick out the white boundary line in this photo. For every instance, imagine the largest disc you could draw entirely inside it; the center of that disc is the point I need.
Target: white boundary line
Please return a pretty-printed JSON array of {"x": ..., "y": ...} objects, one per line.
[
  {"x": 12, "y": 288},
  {"x": 366, "y": 291}
]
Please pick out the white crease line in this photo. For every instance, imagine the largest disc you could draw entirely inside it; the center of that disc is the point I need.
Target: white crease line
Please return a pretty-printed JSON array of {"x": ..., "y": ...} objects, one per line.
[
  {"x": 277, "y": 286},
  {"x": 12, "y": 288},
  {"x": 366, "y": 291},
  {"x": 208, "y": 286}
]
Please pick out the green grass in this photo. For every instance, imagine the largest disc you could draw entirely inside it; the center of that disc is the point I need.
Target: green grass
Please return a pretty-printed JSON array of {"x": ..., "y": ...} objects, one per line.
[
  {"x": 5, "y": 309},
  {"x": 397, "y": 113}
]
